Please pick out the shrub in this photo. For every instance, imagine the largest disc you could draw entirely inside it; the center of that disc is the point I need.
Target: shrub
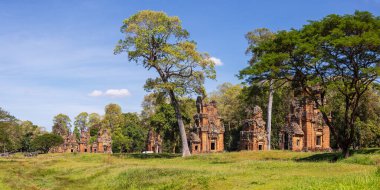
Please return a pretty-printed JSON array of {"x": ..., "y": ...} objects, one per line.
[{"x": 46, "y": 141}]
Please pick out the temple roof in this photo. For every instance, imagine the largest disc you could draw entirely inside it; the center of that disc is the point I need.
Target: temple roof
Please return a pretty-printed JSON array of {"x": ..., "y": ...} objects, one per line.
[
  {"x": 296, "y": 129},
  {"x": 194, "y": 137}
]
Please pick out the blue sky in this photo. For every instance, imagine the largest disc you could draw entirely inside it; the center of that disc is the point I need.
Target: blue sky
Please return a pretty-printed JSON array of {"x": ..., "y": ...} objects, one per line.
[{"x": 55, "y": 53}]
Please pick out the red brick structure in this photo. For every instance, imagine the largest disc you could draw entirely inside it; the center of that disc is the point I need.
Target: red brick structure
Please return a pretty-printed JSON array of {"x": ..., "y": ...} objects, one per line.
[
  {"x": 305, "y": 129},
  {"x": 102, "y": 144},
  {"x": 254, "y": 135},
  {"x": 70, "y": 144},
  {"x": 208, "y": 132},
  {"x": 84, "y": 146},
  {"x": 154, "y": 142}
]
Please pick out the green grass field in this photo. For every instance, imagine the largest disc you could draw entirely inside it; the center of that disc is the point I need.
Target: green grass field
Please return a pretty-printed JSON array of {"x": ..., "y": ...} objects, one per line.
[{"x": 238, "y": 170}]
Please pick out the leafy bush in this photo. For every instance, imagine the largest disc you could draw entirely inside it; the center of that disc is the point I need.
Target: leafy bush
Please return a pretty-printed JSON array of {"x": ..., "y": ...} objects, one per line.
[{"x": 46, "y": 141}]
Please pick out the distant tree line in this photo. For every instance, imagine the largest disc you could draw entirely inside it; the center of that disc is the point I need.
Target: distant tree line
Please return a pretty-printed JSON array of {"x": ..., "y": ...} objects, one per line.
[
  {"x": 130, "y": 130},
  {"x": 127, "y": 132},
  {"x": 17, "y": 135}
]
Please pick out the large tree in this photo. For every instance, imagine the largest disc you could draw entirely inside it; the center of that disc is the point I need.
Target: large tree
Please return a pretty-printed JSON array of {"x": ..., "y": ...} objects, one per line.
[
  {"x": 61, "y": 124},
  {"x": 28, "y": 133},
  {"x": 81, "y": 121},
  {"x": 369, "y": 114},
  {"x": 227, "y": 97},
  {"x": 113, "y": 118},
  {"x": 8, "y": 129},
  {"x": 94, "y": 123},
  {"x": 338, "y": 54},
  {"x": 80, "y": 124},
  {"x": 134, "y": 131},
  {"x": 159, "y": 42}
]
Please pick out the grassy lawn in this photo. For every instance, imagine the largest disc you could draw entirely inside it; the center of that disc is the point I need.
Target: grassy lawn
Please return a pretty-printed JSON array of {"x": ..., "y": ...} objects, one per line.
[{"x": 238, "y": 170}]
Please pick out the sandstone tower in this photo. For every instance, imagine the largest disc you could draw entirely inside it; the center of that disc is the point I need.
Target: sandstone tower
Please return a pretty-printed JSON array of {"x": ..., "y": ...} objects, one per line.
[
  {"x": 305, "y": 129},
  {"x": 254, "y": 135},
  {"x": 208, "y": 133}
]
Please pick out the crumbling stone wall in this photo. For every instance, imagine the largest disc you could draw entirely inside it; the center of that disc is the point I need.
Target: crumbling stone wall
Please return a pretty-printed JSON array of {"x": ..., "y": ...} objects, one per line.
[{"x": 103, "y": 143}]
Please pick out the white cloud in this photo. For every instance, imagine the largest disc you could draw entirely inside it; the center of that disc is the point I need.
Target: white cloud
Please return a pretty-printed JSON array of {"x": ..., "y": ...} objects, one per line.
[
  {"x": 111, "y": 93},
  {"x": 117, "y": 92},
  {"x": 96, "y": 93},
  {"x": 217, "y": 61}
]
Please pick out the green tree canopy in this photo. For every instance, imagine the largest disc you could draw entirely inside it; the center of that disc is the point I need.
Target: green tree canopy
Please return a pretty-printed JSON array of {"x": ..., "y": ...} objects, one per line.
[
  {"x": 94, "y": 123},
  {"x": 113, "y": 118},
  {"x": 81, "y": 121},
  {"x": 229, "y": 104},
  {"x": 61, "y": 124},
  {"x": 9, "y": 129},
  {"x": 46, "y": 141},
  {"x": 29, "y": 131},
  {"x": 16, "y": 135},
  {"x": 135, "y": 131}
]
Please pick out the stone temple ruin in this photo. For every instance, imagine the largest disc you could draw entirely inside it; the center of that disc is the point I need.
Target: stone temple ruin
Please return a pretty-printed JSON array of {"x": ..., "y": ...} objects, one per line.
[
  {"x": 154, "y": 142},
  {"x": 254, "y": 135},
  {"x": 305, "y": 129},
  {"x": 208, "y": 133},
  {"x": 102, "y": 144}
]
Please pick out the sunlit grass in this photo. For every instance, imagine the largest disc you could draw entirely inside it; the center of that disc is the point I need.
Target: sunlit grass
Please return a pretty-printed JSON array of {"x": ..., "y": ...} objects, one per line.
[{"x": 238, "y": 170}]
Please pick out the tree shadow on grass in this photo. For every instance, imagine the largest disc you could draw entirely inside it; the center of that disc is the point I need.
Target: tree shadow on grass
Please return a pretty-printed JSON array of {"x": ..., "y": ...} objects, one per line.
[
  {"x": 147, "y": 156},
  {"x": 330, "y": 157},
  {"x": 335, "y": 156},
  {"x": 367, "y": 151}
]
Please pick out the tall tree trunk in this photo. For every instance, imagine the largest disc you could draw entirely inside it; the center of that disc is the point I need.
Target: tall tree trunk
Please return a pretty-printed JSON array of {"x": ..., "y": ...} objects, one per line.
[
  {"x": 269, "y": 116},
  {"x": 175, "y": 104},
  {"x": 346, "y": 151}
]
